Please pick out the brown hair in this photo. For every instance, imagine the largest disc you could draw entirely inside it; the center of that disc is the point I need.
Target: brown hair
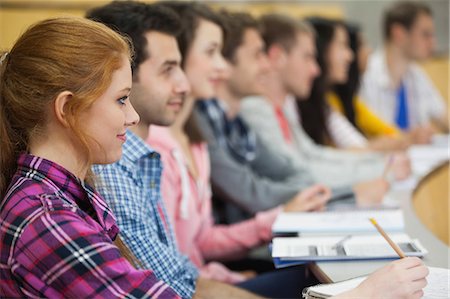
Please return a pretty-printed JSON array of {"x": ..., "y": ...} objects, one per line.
[
  {"x": 236, "y": 25},
  {"x": 53, "y": 56},
  {"x": 404, "y": 13},
  {"x": 282, "y": 30}
]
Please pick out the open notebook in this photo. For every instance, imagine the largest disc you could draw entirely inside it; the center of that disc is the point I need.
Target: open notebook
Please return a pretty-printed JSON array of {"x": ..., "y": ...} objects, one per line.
[
  {"x": 437, "y": 288},
  {"x": 339, "y": 248}
]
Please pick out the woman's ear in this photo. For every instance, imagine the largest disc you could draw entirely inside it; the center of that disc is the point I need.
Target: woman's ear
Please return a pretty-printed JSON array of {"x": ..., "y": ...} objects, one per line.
[{"x": 60, "y": 107}]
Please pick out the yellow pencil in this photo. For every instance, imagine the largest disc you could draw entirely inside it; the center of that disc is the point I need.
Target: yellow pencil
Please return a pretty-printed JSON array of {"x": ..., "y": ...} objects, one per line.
[{"x": 383, "y": 233}]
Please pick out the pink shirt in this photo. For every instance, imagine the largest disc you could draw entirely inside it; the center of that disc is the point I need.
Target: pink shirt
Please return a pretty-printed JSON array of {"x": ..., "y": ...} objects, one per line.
[{"x": 188, "y": 204}]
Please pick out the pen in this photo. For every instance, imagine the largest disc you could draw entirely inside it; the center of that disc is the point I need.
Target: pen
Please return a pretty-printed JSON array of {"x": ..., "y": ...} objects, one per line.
[{"x": 385, "y": 236}]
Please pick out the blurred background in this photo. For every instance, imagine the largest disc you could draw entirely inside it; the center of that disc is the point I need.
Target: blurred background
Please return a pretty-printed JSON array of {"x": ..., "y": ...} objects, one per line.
[{"x": 17, "y": 15}]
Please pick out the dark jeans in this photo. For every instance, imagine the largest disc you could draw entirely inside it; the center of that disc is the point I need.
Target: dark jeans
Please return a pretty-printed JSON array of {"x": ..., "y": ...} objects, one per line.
[{"x": 281, "y": 283}]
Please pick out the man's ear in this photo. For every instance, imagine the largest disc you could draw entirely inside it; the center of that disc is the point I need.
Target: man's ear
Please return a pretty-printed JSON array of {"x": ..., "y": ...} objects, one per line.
[
  {"x": 277, "y": 55},
  {"x": 398, "y": 33},
  {"x": 60, "y": 107}
]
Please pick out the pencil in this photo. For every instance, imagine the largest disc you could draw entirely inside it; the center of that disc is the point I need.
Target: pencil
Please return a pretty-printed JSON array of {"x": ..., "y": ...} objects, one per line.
[{"x": 385, "y": 236}]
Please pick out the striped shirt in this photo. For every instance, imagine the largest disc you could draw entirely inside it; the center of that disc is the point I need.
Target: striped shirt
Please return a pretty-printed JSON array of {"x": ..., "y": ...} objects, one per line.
[
  {"x": 56, "y": 240},
  {"x": 132, "y": 189}
]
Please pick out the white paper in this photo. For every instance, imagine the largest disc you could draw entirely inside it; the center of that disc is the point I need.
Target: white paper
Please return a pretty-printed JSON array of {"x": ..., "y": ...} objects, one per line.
[
  {"x": 438, "y": 285},
  {"x": 339, "y": 221}
]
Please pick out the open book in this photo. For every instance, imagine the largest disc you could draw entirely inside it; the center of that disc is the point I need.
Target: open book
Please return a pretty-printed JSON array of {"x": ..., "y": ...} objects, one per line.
[
  {"x": 338, "y": 222},
  {"x": 339, "y": 248},
  {"x": 437, "y": 288}
]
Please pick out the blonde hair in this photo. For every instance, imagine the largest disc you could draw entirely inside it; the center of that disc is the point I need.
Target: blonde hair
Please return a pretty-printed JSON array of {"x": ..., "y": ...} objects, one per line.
[{"x": 52, "y": 56}]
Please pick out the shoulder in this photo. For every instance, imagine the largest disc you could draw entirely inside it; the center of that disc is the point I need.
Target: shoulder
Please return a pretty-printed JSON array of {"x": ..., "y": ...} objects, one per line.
[{"x": 255, "y": 104}]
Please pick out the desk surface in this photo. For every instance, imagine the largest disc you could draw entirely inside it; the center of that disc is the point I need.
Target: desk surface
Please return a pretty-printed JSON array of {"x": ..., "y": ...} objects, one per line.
[{"x": 438, "y": 256}]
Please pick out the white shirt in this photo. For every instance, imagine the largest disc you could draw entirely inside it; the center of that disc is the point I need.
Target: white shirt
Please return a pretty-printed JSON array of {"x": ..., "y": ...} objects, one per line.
[
  {"x": 343, "y": 133},
  {"x": 424, "y": 100}
]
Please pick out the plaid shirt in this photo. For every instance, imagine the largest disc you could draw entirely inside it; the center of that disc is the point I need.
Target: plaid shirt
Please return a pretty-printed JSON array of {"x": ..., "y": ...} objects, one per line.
[
  {"x": 56, "y": 240},
  {"x": 132, "y": 189}
]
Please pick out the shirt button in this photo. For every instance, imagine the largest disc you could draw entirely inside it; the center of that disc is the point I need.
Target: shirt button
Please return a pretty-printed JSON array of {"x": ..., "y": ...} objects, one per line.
[{"x": 152, "y": 184}]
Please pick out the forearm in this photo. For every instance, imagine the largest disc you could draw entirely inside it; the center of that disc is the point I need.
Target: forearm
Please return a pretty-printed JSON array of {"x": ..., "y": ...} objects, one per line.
[{"x": 209, "y": 289}]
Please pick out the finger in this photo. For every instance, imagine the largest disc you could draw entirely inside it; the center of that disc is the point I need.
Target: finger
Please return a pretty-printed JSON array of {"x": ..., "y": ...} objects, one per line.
[
  {"x": 417, "y": 273},
  {"x": 417, "y": 286},
  {"x": 408, "y": 262},
  {"x": 316, "y": 202},
  {"x": 312, "y": 191},
  {"x": 418, "y": 294}
]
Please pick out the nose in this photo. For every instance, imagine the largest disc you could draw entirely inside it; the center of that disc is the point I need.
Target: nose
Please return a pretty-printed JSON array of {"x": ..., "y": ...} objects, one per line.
[
  {"x": 182, "y": 85},
  {"x": 131, "y": 116},
  {"x": 221, "y": 64},
  {"x": 350, "y": 55},
  {"x": 316, "y": 71}
]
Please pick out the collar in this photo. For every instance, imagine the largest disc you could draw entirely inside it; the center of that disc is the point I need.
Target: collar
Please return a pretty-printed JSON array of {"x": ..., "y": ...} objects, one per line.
[
  {"x": 68, "y": 187},
  {"x": 135, "y": 148}
]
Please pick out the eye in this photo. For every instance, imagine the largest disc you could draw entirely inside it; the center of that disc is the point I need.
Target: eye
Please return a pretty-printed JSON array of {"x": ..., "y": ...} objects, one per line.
[{"x": 122, "y": 100}]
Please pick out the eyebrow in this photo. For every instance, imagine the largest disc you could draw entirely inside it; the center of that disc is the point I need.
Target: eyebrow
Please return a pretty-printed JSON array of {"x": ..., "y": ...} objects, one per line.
[
  {"x": 171, "y": 62},
  {"x": 127, "y": 89}
]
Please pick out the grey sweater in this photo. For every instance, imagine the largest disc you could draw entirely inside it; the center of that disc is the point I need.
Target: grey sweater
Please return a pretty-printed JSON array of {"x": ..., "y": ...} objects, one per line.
[{"x": 266, "y": 182}]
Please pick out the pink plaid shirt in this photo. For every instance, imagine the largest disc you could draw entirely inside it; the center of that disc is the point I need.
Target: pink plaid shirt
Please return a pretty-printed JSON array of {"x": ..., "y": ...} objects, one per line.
[{"x": 56, "y": 240}]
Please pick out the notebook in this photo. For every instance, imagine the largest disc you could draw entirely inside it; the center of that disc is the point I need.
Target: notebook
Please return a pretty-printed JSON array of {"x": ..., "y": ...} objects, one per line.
[
  {"x": 338, "y": 222},
  {"x": 437, "y": 287},
  {"x": 342, "y": 248}
]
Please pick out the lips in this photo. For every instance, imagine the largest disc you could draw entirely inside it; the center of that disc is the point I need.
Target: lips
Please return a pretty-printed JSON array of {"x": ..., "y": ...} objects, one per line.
[{"x": 122, "y": 137}]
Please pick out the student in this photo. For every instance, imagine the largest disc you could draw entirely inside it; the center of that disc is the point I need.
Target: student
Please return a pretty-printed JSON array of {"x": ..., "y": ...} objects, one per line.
[
  {"x": 132, "y": 185},
  {"x": 291, "y": 51},
  {"x": 394, "y": 85},
  {"x": 249, "y": 48},
  {"x": 186, "y": 176},
  {"x": 344, "y": 96},
  {"x": 64, "y": 105},
  {"x": 320, "y": 121}
]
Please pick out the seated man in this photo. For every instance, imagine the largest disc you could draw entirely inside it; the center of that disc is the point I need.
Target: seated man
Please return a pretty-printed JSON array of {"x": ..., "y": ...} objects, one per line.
[{"x": 394, "y": 85}]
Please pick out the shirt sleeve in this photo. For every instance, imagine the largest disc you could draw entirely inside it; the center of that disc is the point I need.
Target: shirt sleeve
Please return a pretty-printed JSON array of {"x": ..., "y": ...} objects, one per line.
[
  {"x": 370, "y": 123},
  {"x": 140, "y": 231},
  {"x": 219, "y": 242},
  {"x": 61, "y": 255},
  {"x": 269, "y": 181},
  {"x": 343, "y": 133}
]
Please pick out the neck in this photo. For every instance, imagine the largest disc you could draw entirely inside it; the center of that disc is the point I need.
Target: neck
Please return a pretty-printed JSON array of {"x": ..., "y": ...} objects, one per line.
[
  {"x": 397, "y": 63},
  {"x": 274, "y": 90},
  {"x": 62, "y": 151},
  {"x": 232, "y": 100}
]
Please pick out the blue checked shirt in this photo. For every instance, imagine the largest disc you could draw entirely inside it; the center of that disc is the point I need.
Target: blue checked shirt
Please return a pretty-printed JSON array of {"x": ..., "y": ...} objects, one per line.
[{"x": 132, "y": 189}]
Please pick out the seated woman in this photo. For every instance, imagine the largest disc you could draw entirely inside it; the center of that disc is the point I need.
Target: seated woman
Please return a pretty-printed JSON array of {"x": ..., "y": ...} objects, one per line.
[
  {"x": 64, "y": 105},
  {"x": 343, "y": 98},
  {"x": 334, "y": 90},
  {"x": 186, "y": 177}
]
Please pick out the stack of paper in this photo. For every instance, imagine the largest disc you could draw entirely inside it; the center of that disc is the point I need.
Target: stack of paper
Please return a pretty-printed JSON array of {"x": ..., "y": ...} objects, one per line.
[{"x": 338, "y": 222}]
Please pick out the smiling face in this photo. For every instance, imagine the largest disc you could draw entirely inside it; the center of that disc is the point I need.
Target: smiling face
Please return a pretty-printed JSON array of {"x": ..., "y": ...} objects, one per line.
[
  {"x": 338, "y": 56},
  {"x": 107, "y": 119},
  {"x": 205, "y": 66},
  {"x": 160, "y": 85},
  {"x": 249, "y": 66}
]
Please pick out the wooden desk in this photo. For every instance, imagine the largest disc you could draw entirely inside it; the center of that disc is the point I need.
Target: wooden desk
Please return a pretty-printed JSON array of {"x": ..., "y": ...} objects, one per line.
[
  {"x": 431, "y": 202},
  {"x": 439, "y": 252}
]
